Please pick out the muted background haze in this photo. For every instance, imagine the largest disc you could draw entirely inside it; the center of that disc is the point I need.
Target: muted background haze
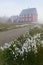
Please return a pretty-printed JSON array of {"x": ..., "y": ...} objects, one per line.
[{"x": 14, "y": 7}]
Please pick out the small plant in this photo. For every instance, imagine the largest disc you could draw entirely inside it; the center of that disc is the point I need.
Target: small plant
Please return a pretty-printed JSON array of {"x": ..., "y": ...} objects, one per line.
[
  {"x": 35, "y": 31},
  {"x": 26, "y": 50}
]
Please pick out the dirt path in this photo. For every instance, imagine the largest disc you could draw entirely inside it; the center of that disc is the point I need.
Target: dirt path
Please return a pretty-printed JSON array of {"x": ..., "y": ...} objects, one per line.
[{"x": 10, "y": 35}]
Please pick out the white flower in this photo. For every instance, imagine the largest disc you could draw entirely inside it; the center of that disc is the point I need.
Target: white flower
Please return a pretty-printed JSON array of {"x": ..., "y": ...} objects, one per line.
[
  {"x": 23, "y": 59},
  {"x": 14, "y": 45},
  {"x": 1, "y": 48},
  {"x": 16, "y": 48},
  {"x": 13, "y": 53}
]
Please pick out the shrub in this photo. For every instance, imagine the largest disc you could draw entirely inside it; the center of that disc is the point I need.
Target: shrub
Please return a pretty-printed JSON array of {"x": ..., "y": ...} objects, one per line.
[{"x": 26, "y": 50}]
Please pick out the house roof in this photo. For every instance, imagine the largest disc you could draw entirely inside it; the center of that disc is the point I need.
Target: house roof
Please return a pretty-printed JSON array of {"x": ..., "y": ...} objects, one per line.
[{"x": 28, "y": 11}]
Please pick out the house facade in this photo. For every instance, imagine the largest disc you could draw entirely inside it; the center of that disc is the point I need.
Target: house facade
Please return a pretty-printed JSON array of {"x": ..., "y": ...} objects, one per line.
[{"x": 28, "y": 15}]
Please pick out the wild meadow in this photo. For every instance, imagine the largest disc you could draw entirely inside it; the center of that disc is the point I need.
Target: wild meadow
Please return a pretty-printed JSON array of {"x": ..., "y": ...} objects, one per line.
[
  {"x": 10, "y": 26},
  {"x": 25, "y": 50}
]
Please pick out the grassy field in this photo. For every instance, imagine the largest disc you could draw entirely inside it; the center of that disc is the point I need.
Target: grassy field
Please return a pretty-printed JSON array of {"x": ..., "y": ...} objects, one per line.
[
  {"x": 25, "y": 50},
  {"x": 10, "y": 31},
  {"x": 9, "y": 26}
]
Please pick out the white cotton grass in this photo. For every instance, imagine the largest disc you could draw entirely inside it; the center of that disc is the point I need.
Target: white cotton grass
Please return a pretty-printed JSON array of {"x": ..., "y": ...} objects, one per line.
[
  {"x": 1, "y": 48},
  {"x": 30, "y": 43}
]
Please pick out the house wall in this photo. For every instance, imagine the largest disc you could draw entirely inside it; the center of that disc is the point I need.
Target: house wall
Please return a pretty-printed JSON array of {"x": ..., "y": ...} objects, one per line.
[
  {"x": 34, "y": 18},
  {"x": 28, "y": 18}
]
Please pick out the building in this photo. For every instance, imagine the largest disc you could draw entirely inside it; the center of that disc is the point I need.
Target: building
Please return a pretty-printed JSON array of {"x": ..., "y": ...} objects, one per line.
[
  {"x": 28, "y": 15},
  {"x": 13, "y": 18}
]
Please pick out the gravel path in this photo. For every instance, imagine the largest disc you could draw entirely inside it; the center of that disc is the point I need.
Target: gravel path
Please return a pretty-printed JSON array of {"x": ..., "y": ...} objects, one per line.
[{"x": 10, "y": 35}]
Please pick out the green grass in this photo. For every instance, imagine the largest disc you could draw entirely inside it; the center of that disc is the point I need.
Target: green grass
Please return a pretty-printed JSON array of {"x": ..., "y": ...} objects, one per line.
[
  {"x": 9, "y": 26},
  {"x": 5, "y": 26},
  {"x": 34, "y": 54}
]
